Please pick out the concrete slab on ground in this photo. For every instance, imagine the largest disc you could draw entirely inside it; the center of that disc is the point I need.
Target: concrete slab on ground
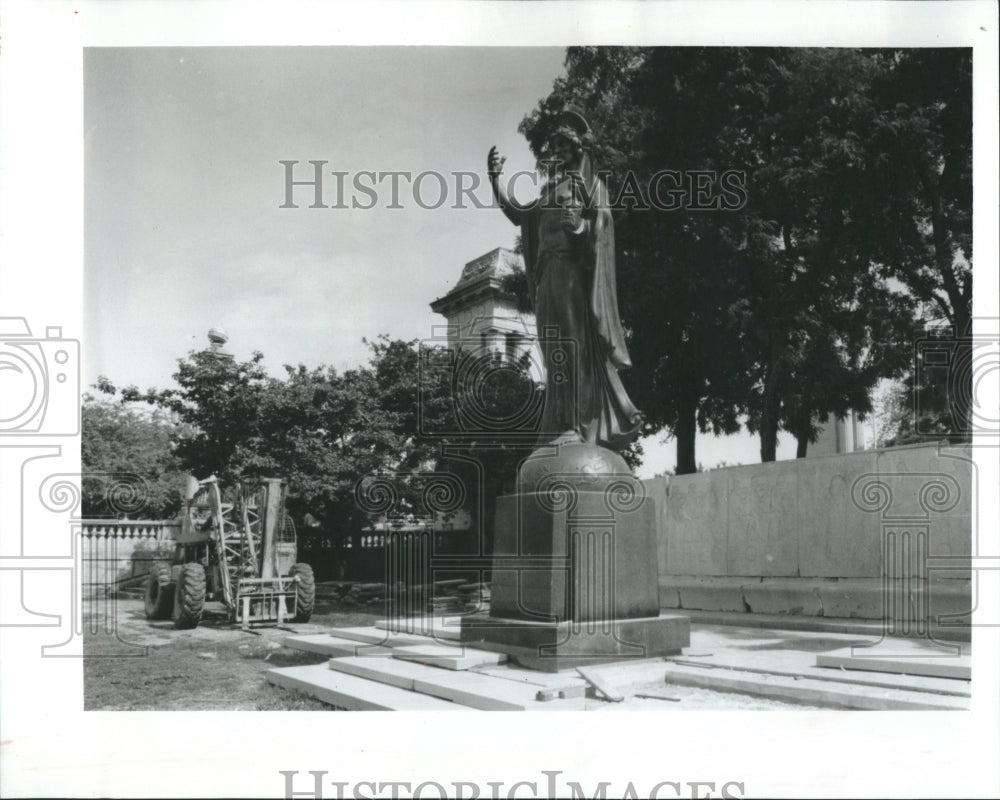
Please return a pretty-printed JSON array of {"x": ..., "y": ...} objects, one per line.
[
  {"x": 826, "y": 624},
  {"x": 895, "y": 660},
  {"x": 352, "y": 693},
  {"x": 469, "y": 689},
  {"x": 458, "y": 658},
  {"x": 916, "y": 683},
  {"x": 371, "y": 635},
  {"x": 446, "y": 627},
  {"x": 325, "y": 645},
  {"x": 766, "y": 666},
  {"x": 814, "y": 692},
  {"x": 567, "y": 679}
]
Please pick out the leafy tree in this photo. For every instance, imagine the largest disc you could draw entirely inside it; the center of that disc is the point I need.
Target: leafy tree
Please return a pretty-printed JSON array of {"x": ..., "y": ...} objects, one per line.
[
  {"x": 219, "y": 399},
  {"x": 824, "y": 326},
  {"x": 399, "y": 415},
  {"x": 871, "y": 176},
  {"x": 315, "y": 428},
  {"x": 782, "y": 312},
  {"x": 923, "y": 229},
  {"x": 674, "y": 280},
  {"x": 924, "y": 405},
  {"x": 125, "y": 445}
]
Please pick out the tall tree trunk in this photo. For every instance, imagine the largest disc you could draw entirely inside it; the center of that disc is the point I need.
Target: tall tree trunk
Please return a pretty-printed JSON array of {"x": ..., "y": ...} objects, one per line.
[
  {"x": 960, "y": 372},
  {"x": 803, "y": 425},
  {"x": 769, "y": 412},
  {"x": 803, "y": 444},
  {"x": 960, "y": 388},
  {"x": 687, "y": 429}
]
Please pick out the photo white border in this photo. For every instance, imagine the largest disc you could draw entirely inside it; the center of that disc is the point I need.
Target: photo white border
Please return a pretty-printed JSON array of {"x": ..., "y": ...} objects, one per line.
[{"x": 49, "y": 748}]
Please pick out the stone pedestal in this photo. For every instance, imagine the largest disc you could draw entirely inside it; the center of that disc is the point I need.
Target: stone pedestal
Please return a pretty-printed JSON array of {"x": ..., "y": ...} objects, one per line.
[
  {"x": 574, "y": 567},
  {"x": 552, "y": 646}
]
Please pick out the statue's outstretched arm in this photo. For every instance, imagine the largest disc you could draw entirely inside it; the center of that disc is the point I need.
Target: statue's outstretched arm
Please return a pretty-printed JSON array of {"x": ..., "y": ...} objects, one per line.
[{"x": 510, "y": 207}]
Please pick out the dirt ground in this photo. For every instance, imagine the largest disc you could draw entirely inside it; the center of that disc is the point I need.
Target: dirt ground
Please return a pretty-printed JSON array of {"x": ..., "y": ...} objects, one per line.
[{"x": 151, "y": 666}]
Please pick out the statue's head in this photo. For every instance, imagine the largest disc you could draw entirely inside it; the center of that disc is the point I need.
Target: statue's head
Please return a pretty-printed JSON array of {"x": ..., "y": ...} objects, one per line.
[{"x": 569, "y": 140}]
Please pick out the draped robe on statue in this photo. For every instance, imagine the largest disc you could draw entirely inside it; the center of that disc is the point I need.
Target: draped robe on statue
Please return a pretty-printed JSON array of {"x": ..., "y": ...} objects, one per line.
[{"x": 571, "y": 280}]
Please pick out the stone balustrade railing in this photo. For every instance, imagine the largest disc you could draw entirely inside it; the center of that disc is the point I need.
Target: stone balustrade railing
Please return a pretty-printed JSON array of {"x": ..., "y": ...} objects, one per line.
[
  {"x": 130, "y": 529},
  {"x": 118, "y": 552}
]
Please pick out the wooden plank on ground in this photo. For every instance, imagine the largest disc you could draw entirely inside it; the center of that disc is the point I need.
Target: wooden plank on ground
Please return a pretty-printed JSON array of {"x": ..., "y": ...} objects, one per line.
[
  {"x": 326, "y": 645},
  {"x": 943, "y": 666},
  {"x": 353, "y": 693},
  {"x": 813, "y": 692},
  {"x": 602, "y": 685}
]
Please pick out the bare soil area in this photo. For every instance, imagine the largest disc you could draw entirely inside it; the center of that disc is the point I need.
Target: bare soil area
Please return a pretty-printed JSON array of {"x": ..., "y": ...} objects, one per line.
[{"x": 142, "y": 665}]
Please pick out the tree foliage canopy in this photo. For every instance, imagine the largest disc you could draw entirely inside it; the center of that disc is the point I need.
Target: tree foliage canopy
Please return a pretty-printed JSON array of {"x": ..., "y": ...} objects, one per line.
[
  {"x": 788, "y": 310},
  {"x": 401, "y": 415},
  {"x": 126, "y": 445}
]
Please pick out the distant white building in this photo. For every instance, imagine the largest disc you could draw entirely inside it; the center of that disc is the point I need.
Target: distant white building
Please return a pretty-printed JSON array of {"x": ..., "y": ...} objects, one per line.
[
  {"x": 838, "y": 436},
  {"x": 481, "y": 313}
]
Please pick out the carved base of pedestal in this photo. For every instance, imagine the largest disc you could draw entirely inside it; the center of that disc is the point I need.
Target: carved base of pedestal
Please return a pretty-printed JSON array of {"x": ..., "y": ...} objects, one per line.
[{"x": 552, "y": 646}]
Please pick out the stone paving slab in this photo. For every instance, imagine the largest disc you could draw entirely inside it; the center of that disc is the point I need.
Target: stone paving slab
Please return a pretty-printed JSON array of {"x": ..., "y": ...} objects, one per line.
[
  {"x": 791, "y": 622},
  {"x": 771, "y": 665},
  {"x": 447, "y": 627},
  {"x": 896, "y": 661},
  {"x": 805, "y": 690},
  {"x": 371, "y": 635},
  {"x": 916, "y": 683},
  {"x": 353, "y": 693},
  {"x": 457, "y": 658},
  {"x": 567, "y": 679},
  {"x": 400, "y": 674},
  {"x": 326, "y": 645},
  {"x": 470, "y": 689},
  {"x": 796, "y": 652}
]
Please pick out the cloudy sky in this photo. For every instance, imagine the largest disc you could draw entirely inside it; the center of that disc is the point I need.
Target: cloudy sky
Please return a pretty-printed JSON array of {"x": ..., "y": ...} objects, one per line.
[{"x": 184, "y": 184}]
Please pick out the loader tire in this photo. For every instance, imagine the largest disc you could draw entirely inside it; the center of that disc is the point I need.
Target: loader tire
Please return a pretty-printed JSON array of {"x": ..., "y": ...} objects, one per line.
[
  {"x": 159, "y": 599},
  {"x": 189, "y": 596},
  {"x": 305, "y": 592}
]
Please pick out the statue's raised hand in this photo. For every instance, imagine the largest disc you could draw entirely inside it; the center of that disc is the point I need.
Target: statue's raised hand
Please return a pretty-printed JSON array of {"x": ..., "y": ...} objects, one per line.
[{"x": 494, "y": 162}]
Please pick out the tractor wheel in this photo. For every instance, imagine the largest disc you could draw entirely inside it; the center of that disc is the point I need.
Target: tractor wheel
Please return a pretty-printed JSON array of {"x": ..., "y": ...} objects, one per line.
[
  {"x": 189, "y": 596},
  {"x": 159, "y": 591},
  {"x": 305, "y": 592}
]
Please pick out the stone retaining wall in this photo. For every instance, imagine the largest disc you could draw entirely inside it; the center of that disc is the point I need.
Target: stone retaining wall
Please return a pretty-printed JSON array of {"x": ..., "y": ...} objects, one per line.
[{"x": 880, "y": 534}]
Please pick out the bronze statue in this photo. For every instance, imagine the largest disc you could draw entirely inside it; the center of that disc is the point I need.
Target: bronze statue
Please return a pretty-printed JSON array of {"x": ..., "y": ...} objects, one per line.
[{"x": 568, "y": 239}]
